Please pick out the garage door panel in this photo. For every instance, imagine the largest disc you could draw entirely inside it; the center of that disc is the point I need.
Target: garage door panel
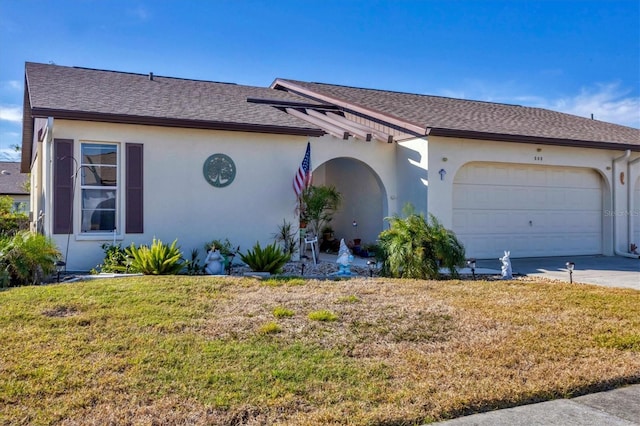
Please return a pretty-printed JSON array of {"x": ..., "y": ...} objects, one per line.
[{"x": 530, "y": 210}]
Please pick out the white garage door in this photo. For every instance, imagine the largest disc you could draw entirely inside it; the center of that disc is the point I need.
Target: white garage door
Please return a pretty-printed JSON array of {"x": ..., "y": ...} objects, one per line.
[{"x": 533, "y": 211}]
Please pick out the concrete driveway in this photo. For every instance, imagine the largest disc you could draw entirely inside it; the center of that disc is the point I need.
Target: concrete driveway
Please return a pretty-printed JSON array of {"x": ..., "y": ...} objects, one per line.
[{"x": 608, "y": 271}]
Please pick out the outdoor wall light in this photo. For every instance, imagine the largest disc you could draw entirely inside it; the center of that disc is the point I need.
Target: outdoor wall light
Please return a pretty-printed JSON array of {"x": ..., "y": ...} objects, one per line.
[
  {"x": 570, "y": 267},
  {"x": 60, "y": 266},
  {"x": 354, "y": 224},
  {"x": 445, "y": 159},
  {"x": 471, "y": 263}
]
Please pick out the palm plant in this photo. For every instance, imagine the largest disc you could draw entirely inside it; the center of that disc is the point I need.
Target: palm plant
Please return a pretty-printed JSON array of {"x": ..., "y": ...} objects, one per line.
[
  {"x": 416, "y": 248},
  {"x": 27, "y": 258},
  {"x": 318, "y": 204},
  {"x": 288, "y": 237}
]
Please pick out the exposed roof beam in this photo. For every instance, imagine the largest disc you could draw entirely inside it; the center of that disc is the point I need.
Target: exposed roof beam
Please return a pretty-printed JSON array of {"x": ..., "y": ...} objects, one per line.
[
  {"x": 336, "y": 131},
  {"x": 377, "y": 134},
  {"x": 283, "y": 103},
  {"x": 295, "y": 88},
  {"x": 351, "y": 129}
]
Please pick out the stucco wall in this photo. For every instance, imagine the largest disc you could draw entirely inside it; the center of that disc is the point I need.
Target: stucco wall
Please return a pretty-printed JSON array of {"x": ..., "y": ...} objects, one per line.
[
  {"x": 178, "y": 201},
  {"x": 412, "y": 162},
  {"x": 458, "y": 152}
]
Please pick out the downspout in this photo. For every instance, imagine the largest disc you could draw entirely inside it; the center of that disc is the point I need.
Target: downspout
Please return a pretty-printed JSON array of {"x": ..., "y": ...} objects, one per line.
[
  {"x": 625, "y": 156},
  {"x": 629, "y": 201}
]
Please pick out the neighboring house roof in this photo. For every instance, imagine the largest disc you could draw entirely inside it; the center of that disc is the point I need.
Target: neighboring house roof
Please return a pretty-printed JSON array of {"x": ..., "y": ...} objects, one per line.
[
  {"x": 109, "y": 96},
  {"x": 11, "y": 180},
  {"x": 436, "y": 115}
]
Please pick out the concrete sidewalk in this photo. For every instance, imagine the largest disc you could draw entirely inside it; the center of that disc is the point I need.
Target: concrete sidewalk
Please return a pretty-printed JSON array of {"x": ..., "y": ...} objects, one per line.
[{"x": 612, "y": 408}]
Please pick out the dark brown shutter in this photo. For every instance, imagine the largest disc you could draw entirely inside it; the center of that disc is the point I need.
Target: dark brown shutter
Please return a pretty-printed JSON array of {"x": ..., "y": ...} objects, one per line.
[
  {"x": 63, "y": 186},
  {"x": 134, "y": 186}
]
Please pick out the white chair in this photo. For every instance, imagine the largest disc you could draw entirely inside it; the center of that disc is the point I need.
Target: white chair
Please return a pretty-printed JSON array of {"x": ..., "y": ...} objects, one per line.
[{"x": 311, "y": 240}]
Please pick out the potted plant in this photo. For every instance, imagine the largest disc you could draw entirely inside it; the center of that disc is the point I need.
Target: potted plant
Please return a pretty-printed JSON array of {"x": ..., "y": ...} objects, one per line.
[
  {"x": 327, "y": 233},
  {"x": 317, "y": 206}
]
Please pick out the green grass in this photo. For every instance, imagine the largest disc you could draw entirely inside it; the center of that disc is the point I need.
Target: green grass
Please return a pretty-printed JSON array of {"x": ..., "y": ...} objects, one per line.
[
  {"x": 205, "y": 350},
  {"x": 349, "y": 299},
  {"x": 281, "y": 312},
  {"x": 322, "y": 315},
  {"x": 270, "y": 328}
]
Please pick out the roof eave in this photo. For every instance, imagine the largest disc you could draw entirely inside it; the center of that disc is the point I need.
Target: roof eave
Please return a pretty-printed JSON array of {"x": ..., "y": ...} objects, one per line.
[
  {"x": 174, "y": 122},
  {"x": 501, "y": 137}
]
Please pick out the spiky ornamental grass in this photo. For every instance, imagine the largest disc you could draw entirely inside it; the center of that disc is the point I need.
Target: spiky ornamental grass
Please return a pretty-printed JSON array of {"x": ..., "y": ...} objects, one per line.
[
  {"x": 159, "y": 259},
  {"x": 269, "y": 259},
  {"x": 193, "y": 350}
]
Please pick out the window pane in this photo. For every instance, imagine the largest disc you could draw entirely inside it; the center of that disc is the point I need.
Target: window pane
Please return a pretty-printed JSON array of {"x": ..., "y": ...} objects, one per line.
[
  {"x": 99, "y": 154},
  {"x": 98, "y": 210},
  {"x": 99, "y": 175}
]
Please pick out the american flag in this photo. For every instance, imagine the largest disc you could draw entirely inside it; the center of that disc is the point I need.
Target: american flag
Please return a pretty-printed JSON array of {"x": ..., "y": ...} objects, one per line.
[{"x": 302, "y": 179}]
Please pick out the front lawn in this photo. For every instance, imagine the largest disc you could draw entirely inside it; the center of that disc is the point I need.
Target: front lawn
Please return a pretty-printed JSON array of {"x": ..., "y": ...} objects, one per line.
[{"x": 222, "y": 350}]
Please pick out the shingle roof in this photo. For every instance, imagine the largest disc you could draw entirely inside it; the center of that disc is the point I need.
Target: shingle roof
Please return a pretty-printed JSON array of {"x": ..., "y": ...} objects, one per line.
[
  {"x": 11, "y": 180},
  {"x": 60, "y": 89},
  {"x": 448, "y": 116}
]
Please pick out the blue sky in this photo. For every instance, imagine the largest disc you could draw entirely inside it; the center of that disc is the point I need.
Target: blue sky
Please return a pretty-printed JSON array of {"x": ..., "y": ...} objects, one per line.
[{"x": 575, "y": 56}]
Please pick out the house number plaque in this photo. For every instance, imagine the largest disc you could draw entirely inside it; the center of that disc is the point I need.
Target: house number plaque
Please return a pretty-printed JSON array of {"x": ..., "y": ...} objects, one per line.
[{"x": 219, "y": 170}]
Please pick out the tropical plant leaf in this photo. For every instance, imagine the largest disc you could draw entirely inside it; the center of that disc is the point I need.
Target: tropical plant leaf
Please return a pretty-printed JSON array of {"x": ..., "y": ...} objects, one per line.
[
  {"x": 268, "y": 259},
  {"x": 416, "y": 248},
  {"x": 159, "y": 259}
]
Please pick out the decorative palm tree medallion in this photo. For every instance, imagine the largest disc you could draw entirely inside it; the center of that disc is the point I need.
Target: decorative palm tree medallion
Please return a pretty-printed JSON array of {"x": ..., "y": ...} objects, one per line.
[{"x": 219, "y": 170}]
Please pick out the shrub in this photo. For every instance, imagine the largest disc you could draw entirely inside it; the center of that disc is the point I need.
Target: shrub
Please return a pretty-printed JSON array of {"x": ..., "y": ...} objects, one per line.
[
  {"x": 269, "y": 259},
  {"x": 115, "y": 259},
  {"x": 11, "y": 222},
  {"x": 323, "y": 315},
  {"x": 288, "y": 237},
  {"x": 159, "y": 259},
  {"x": 225, "y": 247},
  {"x": 416, "y": 248},
  {"x": 26, "y": 258},
  {"x": 192, "y": 266}
]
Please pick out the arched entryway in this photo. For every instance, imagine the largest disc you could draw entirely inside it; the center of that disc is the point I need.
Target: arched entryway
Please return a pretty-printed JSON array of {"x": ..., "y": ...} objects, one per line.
[{"x": 364, "y": 198}]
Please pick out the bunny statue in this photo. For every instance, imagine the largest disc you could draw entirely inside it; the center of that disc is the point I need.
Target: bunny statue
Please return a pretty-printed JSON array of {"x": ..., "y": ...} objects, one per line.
[{"x": 506, "y": 266}]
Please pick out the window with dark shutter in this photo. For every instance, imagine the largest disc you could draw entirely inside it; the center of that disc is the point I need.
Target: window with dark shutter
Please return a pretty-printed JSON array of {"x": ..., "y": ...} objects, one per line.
[
  {"x": 134, "y": 189},
  {"x": 63, "y": 186}
]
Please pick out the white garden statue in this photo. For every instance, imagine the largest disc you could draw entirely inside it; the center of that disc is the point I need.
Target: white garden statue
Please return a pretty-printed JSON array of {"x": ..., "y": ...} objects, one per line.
[
  {"x": 214, "y": 263},
  {"x": 344, "y": 261},
  {"x": 506, "y": 266}
]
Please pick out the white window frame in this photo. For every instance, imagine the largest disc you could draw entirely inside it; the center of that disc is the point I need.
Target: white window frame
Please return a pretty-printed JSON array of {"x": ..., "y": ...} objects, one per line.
[{"x": 117, "y": 188}]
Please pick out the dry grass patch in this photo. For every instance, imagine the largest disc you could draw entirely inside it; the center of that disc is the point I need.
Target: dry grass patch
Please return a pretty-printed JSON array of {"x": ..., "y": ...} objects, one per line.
[{"x": 205, "y": 350}]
